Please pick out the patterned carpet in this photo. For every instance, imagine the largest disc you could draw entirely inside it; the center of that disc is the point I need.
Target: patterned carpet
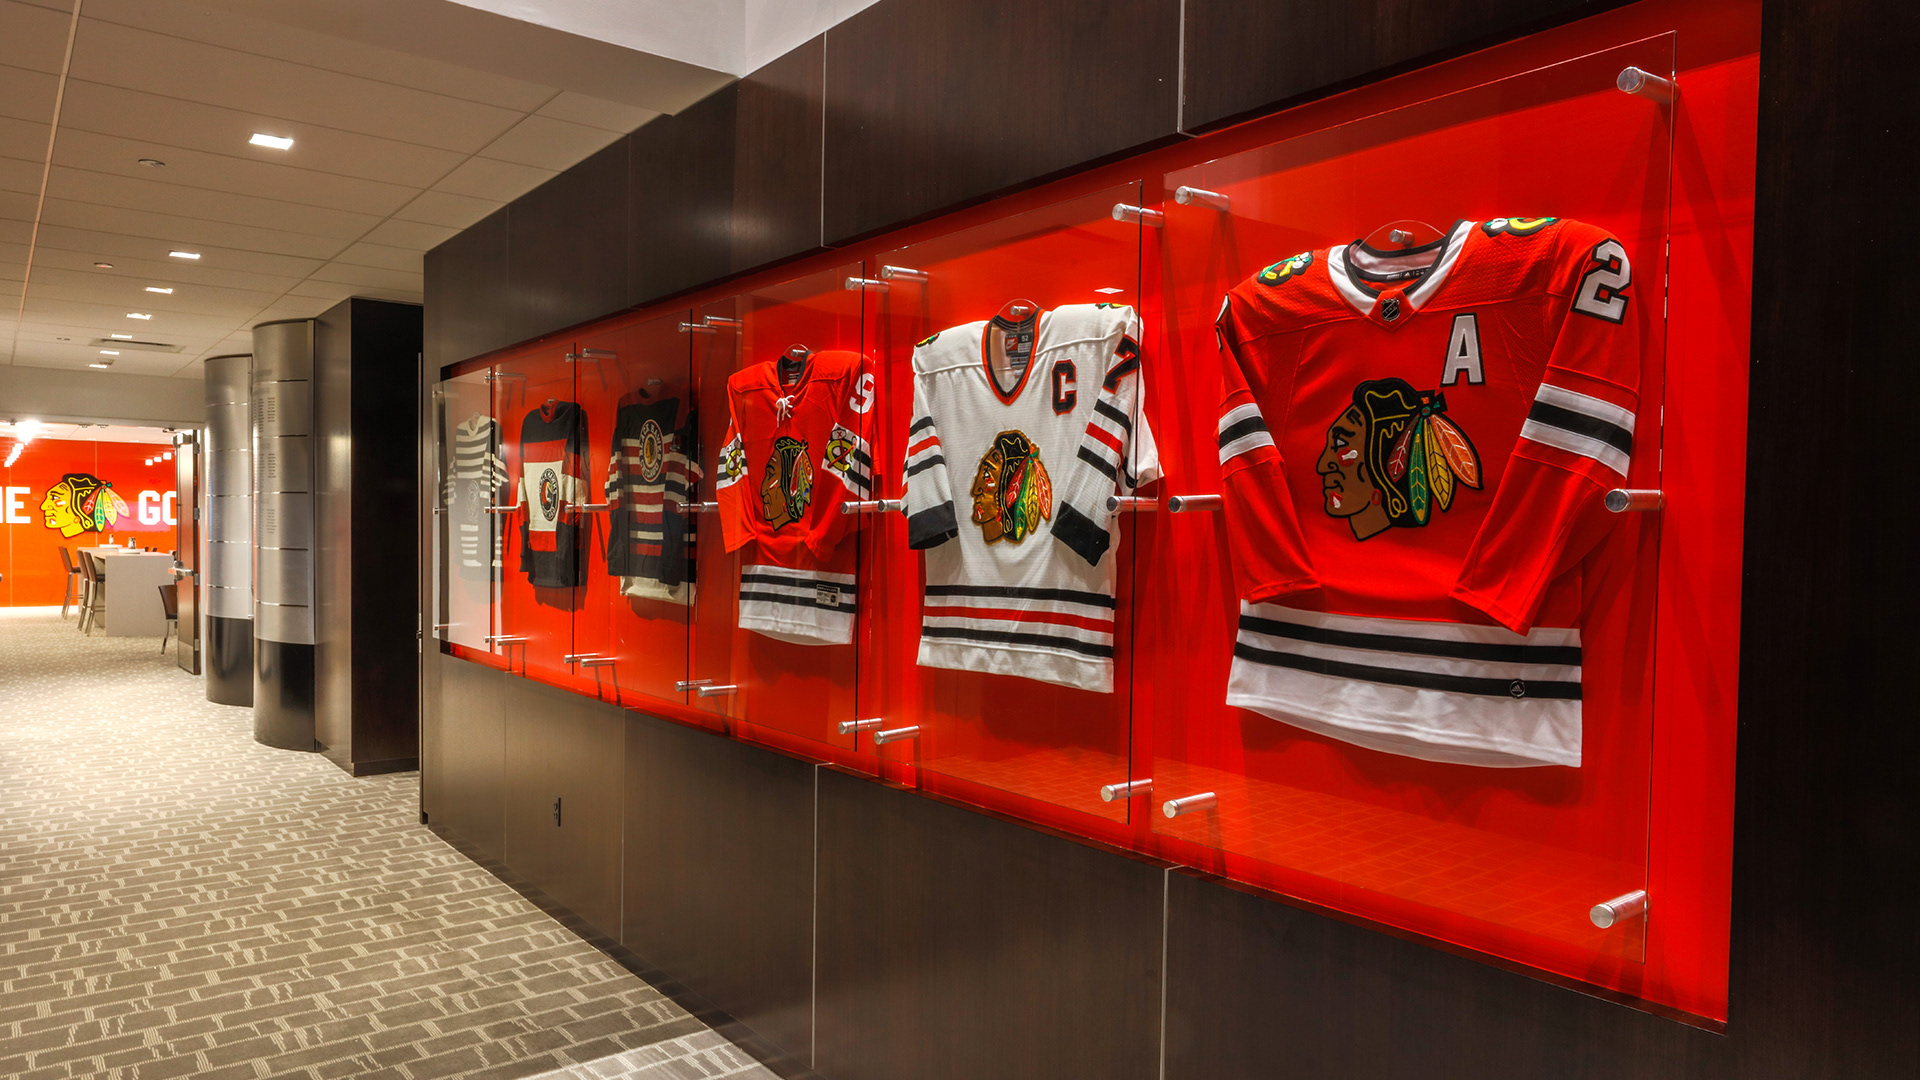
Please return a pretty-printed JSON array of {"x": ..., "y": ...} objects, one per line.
[{"x": 178, "y": 901}]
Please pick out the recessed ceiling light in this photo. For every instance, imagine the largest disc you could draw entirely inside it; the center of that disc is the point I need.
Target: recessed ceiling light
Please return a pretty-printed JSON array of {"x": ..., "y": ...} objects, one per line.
[
  {"x": 153, "y": 163},
  {"x": 118, "y": 337},
  {"x": 142, "y": 316},
  {"x": 161, "y": 291},
  {"x": 70, "y": 339},
  {"x": 184, "y": 254},
  {"x": 109, "y": 352},
  {"x": 274, "y": 141},
  {"x": 104, "y": 265},
  {"x": 102, "y": 364}
]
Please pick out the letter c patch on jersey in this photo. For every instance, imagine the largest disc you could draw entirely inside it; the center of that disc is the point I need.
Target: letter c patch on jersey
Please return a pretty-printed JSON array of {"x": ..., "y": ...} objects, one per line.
[{"x": 1064, "y": 393}]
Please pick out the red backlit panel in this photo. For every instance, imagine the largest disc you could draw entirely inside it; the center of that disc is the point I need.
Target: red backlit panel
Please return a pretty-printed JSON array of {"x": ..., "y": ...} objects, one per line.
[{"x": 548, "y": 449}]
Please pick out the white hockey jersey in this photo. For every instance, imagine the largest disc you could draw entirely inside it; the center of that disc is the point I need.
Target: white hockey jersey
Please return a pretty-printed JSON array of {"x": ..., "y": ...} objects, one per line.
[
  {"x": 1040, "y": 414},
  {"x": 475, "y": 477}
]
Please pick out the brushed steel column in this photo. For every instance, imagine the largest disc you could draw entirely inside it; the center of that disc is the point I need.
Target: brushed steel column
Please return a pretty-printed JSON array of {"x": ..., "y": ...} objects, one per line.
[
  {"x": 283, "y": 637},
  {"x": 229, "y": 530}
]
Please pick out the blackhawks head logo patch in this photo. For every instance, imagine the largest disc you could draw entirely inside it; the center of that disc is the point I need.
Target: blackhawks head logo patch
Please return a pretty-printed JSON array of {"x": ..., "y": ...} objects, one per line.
[
  {"x": 786, "y": 488},
  {"x": 653, "y": 451},
  {"x": 1392, "y": 457},
  {"x": 1012, "y": 493},
  {"x": 1516, "y": 226},
  {"x": 1285, "y": 269}
]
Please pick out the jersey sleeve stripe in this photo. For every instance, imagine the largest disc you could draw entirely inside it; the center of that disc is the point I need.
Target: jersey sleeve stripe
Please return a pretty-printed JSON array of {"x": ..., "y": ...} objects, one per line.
[
  {"x": 1245, "y": 443},
  {"x": 1102, "y": 408},
  {"x": 1242, "y": 428},
  {"x": 1587, "y": 404},
  {"x": 919, "y": 426},
  {"x": 1107, "y": 437},
  {"x": 1120, "y": 371},
  {"x": 1575, "y": 443},
  {"x": 931, "y": 440},
  {"x": 1105, "y": 468},
  {"x": 921, "y": 466}
]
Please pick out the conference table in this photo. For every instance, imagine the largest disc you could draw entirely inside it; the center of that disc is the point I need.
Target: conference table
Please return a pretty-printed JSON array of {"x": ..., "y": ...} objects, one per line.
[{"x": 132, "y": 603}]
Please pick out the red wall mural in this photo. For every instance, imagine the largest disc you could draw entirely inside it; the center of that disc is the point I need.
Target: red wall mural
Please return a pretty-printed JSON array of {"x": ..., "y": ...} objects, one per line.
[{"x": 75, "y": 493}]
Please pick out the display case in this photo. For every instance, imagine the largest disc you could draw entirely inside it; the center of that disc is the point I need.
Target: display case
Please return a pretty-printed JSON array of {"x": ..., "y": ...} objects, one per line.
[
  {"x": 1394, "y": 750},
  {"x": 468, "y": 557},
  {"x": 781, "y": 609},
  {"x": 634, "y": 382},
  {"x": 1002, "y": 654}
]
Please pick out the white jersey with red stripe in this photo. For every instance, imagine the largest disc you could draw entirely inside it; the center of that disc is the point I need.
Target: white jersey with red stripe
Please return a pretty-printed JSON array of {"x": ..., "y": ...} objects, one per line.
[
  {"x": 1040, "y": 415},
  {"x": 1414, "y": 447}
]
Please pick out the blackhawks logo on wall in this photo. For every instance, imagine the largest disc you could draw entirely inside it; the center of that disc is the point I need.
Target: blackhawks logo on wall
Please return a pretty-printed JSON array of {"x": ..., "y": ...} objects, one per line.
[
  {"x": 1393, "y": 457},
  {"x": 786, "y": 488},
  {"x": 82, "y": 502},
  {"x": 1012, "y": 493}
]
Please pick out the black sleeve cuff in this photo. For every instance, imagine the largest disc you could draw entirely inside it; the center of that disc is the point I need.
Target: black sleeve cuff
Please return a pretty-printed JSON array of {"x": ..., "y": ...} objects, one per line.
[
  {"x": 931, "y": 528},
  {"x": 1077, "y": 531}
]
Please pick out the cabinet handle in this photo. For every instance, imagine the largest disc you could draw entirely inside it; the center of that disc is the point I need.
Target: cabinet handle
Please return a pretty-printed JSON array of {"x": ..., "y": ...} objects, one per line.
[
  {"x": 1131, "y": 504},
  {"x": 1622, "y": 500},
  {"x": 1186, "y": 504},
  {"x": 718, "y": 691},
  {"x": 1173, "y": 808},
  {"x": 1188, "y": 196},
  {"x": 1128, "y": 212},
  {"x": 684, "y": 685},
  {"x": 1646, "y": 84},
  {"x": 1624, "y": 906},
  {"x": 1111, "y": 792},
  {"x": 848, "y": 727},
  {"x": 876, "y": 506}
]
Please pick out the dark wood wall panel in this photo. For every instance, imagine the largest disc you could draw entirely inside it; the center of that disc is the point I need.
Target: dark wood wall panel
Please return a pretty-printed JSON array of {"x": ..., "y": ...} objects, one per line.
[
  {"x": 935, "y": 103},
  {"x": 467, "y": 298},
  {"x": 680, "y": 196},
  {"x": 469, "y": 798},
  {"x": 776, "y": 168},
  {"x": 560, "y": 745},
  {"x": 1257, "y": 988},
  {"x": 719, "y": 878},
  {"x": 954, "y": 944},
  {"x": 567, "y": 249},
  {"x": 1826, "y": 847},
  {"x": 1244, "y": 56}
]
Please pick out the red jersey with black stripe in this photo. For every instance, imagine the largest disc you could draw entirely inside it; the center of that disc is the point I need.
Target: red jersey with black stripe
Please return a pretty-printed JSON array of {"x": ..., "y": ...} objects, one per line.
[{"x": 1415, "y": 445}]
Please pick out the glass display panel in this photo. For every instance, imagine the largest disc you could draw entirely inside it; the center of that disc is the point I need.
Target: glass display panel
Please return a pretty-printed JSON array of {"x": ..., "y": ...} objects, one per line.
[
  {"x": 1355, "y": 678},
  {"x": 546, "y": 435},
  {"x": 1007, "y": 645},
  {"x": 779, "y": 614},
  {"x": 472, "y": 475},
  {"x": 636, "y": 387}
]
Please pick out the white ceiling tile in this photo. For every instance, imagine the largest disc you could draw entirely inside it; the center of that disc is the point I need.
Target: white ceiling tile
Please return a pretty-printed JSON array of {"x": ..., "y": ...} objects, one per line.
[
  {"x": 112, "y": 110},
  {"x": 447, "y": 209},
  {"x": 409, "y": 234},
  {"x": 18, "y": 206},
  {"x": 546, "y": 143},
  {"x": 370, "y": 276},
  {"x": 596, "y": 112},
  {"x": 36, "y": 37},
  {"x": 113, "y": 318},
  {"x": 79, "y": 248},
  {"x": 15, "y": 231},
  {"x": 142, "y": 193},
  {"x": 59, "y": 284},
  {"x": 27, "y": 95},
  {"x": 206, "y": 24},
  {"x": 380, "y": 255},
  {"x": 189, "y": 232},
  {"x": 117, "y": 155},
  {"x": 55, "y": 356},
  {"x": 21, "y": 177},
  {"x": 285, "y": 96},
  {"x": 501, "y": 181},
  {"x": 25, "y": 140}
]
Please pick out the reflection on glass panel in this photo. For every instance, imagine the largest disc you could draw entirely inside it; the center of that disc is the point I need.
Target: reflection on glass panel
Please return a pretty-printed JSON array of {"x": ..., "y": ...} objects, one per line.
[
  {"x": 548, "y": 454},
  {"x": 785, "y": 414},
  {"x": 630, "y": 634},
  {"x": 1404, "y": 649},
  {"x": 473, "y": 476},
  {"x": 1016, "y": 409}
]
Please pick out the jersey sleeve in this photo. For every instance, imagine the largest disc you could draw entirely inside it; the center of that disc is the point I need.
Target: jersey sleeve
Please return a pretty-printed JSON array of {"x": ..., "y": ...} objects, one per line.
[
  {"x": 1576, "y": 442},
  {"x": 1270, "y": 557},
  {"x": 1116, "y": 453},
  {"x": 728, "y": 471},
  {"x": 930, "y": 515},
  {"x": 619, "y": 525},
  {"x": 846, "y": 466}
]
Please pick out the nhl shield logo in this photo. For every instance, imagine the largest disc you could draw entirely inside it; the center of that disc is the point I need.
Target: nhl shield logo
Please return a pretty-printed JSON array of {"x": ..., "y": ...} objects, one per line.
[
  {"x": 1390, "y": 308},
  {"x": 549, "y": 494}
]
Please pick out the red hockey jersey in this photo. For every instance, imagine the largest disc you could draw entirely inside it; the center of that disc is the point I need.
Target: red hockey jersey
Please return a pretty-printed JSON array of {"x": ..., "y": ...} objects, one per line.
[
  {"x": 1414, "y": 447},
  {"x": 797, "y": 447}
]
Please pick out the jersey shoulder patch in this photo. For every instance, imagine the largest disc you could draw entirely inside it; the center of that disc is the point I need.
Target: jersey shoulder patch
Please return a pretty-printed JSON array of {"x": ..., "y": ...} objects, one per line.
[
  {"x": 1285, "y": 270},
  {"x": 928, "y": 340},
  {"x": 1515, "y": 226}
]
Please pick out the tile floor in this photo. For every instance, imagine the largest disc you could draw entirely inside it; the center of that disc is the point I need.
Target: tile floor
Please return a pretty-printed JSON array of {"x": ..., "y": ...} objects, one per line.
[{"x": 178, "y": 901}]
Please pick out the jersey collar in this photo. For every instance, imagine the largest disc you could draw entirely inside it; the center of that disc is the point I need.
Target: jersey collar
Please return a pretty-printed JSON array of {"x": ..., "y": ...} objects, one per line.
[
  {"x": 1035, "y": 318},
  {"x": 1386, "y": 298}
]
